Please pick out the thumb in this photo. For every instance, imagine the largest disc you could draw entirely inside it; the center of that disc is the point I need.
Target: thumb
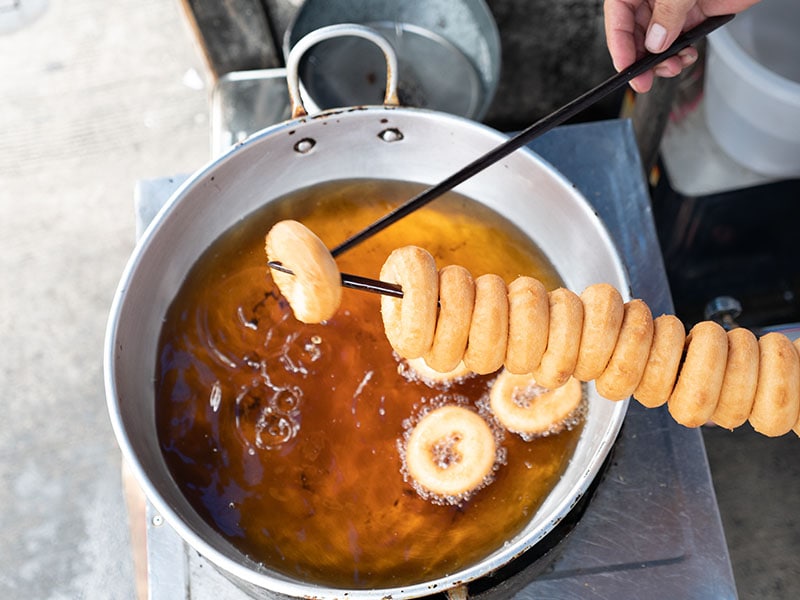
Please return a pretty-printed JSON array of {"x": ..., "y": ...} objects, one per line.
[{"x": 669, "y": 17}]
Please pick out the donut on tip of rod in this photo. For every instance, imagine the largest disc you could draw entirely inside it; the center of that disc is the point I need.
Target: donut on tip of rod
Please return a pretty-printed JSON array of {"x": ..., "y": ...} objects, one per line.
[{"x": 314, "y": 290}]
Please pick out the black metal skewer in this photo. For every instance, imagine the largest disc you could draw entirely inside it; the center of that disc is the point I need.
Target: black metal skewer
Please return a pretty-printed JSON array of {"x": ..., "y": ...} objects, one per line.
[
  {"x": 355, "y": 282},
  {"x": 540, "y": 127}
]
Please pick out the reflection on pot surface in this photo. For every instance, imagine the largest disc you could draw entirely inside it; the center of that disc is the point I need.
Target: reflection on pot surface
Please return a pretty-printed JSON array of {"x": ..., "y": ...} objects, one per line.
[{"x": 287, "y": 437}]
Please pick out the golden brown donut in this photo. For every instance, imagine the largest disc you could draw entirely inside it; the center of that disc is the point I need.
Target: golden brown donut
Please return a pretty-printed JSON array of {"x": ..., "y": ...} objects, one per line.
[
  {"x": 740, "y": 381},
  {"x": 488, "y": 330},
  {"x": 661, "y": 370},
  {"x": 456, "y": 303},
  {"x": 410, "y": 321},
  {"x": 626, "y": 367},
  {"x": 603, "y": 308},
  {"x": 451, "y": 452},
  {"x": 431, "y": 376},
  {"x": 522, "y": 406},
  {"x": 700, "y": 379},
  {"x": 314, "y": 291},
  {"x": 777, "y": 401},
  {"x": 563, "y": 339},
  {"x": 796, "y": 427},
  {"x": 528, "y": 324}
]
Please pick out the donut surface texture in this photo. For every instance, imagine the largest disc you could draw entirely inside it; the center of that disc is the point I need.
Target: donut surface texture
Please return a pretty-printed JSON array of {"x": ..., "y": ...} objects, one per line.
[
  {"x": 522, "y": 406},
  {"x": 603, "y": 309},
  {"x": 563, "y": 339},
  {"x": 488, "y": 330},
  {"x": 696, "y": 393},
  {"x": 626, "y": 367},
  {"x": 410, "y": 321},
  {"x": 456, "y": 303},
  {"x": 740, "y": 380},
  {"x": 661, "y": 369},
  {"x": 314, "y": 290},
  {"x": 528, "y": 324},
  {"x": 451, "y": 452},
  {"x": 777, "y": 400}
]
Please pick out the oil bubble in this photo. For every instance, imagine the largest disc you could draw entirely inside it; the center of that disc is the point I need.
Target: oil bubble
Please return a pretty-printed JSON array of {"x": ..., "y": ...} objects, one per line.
[{"x": 274, "y": 429}]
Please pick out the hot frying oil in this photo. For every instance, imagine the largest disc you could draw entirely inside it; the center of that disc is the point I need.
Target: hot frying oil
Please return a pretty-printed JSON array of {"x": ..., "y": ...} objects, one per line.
[{"x": 284, "y": 436}]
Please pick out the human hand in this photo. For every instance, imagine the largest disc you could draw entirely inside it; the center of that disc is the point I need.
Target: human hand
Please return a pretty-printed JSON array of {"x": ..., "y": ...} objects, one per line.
[{"x": 635, "y": 27}]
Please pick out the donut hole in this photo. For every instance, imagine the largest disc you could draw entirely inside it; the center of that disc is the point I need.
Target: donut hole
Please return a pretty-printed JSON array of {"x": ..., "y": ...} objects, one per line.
[{"x": 445, "y": 453}]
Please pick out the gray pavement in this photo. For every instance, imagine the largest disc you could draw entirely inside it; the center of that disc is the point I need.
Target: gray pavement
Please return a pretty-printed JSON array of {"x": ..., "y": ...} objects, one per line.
[{"x": 94, "y": 96}]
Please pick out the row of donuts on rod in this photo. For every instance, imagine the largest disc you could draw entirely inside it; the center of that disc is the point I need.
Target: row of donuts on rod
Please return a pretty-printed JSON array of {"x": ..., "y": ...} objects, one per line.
[{"x": 445, "y": 316}]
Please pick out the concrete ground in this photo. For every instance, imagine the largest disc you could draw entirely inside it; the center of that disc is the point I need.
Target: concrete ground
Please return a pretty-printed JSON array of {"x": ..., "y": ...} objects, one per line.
[{"x": 94, "y": 96}]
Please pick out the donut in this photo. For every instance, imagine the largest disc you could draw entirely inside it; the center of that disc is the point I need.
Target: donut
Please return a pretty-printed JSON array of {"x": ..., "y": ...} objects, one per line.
[
  {"x": 420, "y": 368},
  {"x": 796, "y": 427},
  {"x": 661, "y": 369},
  {"x": 488, "y": 330},
  {"x": 456, "y": 302},
  {"x": 410, "y": 321},
  {"x": 451, "y": 453},
  {"x": 563, "y": 339},
  {"x": 626, "y": 366},
  {"x": 740, "y": 380},
  {"x": 528, "y": 324},
  {"x": 314, "y": 290},
  {"x": 603, "y": 309},
  {"x": 696, "y": 393},
  {"x": 524, "y": 407},
  {"x": 777, "y": 400}
]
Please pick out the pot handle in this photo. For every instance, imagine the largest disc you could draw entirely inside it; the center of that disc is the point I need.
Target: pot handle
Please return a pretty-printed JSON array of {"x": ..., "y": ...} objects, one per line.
[{"x": 333, "y": 31}]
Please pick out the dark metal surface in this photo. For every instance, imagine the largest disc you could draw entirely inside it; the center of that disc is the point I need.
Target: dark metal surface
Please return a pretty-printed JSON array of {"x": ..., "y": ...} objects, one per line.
[
  {"x": 235, "y": 35},
  {"x": 725, "y": 230},
  {"x": 652, "y": 527}
]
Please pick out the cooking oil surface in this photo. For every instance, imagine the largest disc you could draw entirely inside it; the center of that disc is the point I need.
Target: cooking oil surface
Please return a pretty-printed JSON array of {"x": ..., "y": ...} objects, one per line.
[{"x": 284, "y": 436}]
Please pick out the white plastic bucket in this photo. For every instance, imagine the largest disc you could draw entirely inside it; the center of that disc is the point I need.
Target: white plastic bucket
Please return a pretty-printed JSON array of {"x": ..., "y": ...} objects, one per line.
[{"x": 753, "y": 88}]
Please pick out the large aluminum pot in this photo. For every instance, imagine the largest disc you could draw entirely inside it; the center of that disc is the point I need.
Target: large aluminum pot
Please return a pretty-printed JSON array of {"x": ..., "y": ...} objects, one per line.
[{"x": 366, "y": 142}]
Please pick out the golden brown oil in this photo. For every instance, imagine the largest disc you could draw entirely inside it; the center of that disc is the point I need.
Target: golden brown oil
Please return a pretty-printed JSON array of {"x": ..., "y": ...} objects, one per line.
[{"x": 284, "y": 436}]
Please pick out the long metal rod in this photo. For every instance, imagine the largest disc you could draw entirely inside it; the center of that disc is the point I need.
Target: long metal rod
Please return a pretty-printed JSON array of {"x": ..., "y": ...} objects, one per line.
[
  {"x": 355, "y": 282},
  {"x": 540, "y": 127}
]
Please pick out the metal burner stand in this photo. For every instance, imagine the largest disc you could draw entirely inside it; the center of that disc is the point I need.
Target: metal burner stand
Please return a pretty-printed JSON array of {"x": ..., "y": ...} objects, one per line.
[{"x": 652, "y": 528}]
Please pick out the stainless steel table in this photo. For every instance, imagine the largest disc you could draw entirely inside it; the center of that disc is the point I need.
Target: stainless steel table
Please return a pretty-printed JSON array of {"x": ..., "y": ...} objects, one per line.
[{"x": 651, "y": 528}]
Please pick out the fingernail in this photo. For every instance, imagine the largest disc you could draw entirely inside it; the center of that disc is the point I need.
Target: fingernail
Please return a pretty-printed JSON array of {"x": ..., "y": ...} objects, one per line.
[
  {"x": 654, "y": 41},
  {"x": 662, "y": 71},
  {"x": 688, "y": 56}
]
